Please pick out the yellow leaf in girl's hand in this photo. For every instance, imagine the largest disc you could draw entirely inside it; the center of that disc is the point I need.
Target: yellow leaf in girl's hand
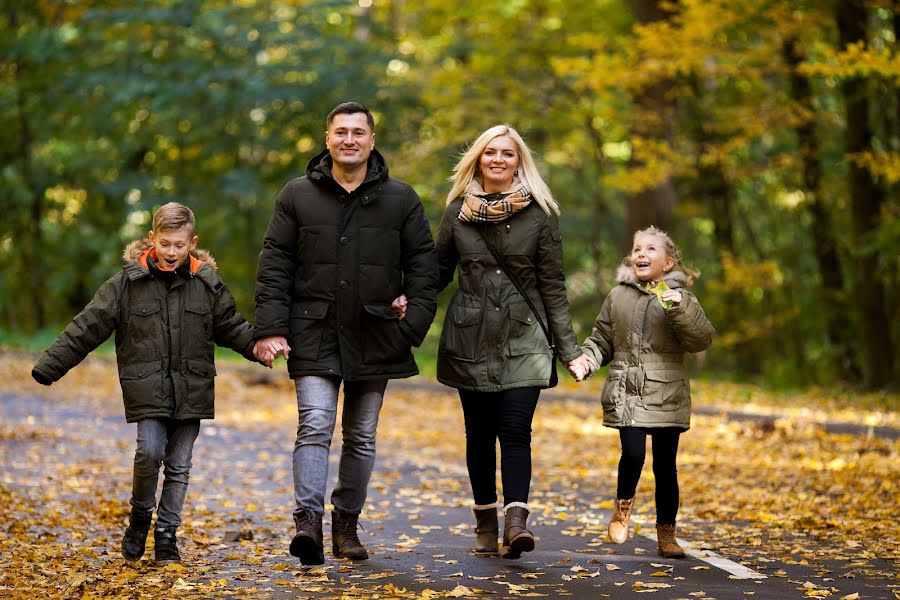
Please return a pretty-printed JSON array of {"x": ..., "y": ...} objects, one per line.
[{"x": 659, "y": 288}]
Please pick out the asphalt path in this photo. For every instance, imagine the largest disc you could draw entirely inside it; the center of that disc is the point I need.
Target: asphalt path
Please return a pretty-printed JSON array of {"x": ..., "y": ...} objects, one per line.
[{"x": 419, "y": 537}]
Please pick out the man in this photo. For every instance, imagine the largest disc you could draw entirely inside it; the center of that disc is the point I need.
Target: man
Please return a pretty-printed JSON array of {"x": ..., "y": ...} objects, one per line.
[{"x": 343, "y": 242}]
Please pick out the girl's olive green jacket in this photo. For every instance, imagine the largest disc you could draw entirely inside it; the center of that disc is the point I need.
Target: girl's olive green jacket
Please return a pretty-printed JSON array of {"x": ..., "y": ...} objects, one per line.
[
  {"x": 644, "y": 344},
  {"x": 490, "y": 340},
  {"x": 165, "y": 336}
]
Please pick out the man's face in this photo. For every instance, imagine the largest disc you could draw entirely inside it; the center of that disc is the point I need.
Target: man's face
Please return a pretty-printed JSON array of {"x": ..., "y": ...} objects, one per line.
[
  {"x": 350, "y": 140},
  {"x": 173, "y": 247}
]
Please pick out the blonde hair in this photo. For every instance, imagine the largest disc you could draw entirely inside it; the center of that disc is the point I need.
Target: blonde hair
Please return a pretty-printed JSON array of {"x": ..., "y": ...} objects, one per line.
[
  {"x": 172, "y": 217},
  {"x": 671, "y": 249},
  {"x": 467, "y": 168}
]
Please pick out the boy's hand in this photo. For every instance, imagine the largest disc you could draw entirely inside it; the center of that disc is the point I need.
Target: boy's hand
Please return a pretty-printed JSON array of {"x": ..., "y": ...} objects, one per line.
[{"x": 399, "y": 306}]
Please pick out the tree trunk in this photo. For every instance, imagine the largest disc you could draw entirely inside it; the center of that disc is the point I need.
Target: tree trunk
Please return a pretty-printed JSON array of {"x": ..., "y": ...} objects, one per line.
[
  {"x": 866, "y": 198},
  {"x": 654, "y": 110},
  {"x": 825, "y": 245}
]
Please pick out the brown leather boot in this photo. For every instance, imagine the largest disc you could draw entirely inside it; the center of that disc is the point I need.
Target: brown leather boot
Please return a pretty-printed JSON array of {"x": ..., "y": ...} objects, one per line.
[
  {"x": 618, "y": 524},
  {"x": 516, "y": 537},
  {"x": 344, "y": 540},
  {"x": 487, "y": 530},
  {"x": 307, "y": 543},
  {"x": 668, "y": 545}
]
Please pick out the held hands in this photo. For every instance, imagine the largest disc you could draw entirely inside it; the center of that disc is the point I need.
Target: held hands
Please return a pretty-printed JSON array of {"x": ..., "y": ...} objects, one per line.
[
  {"x": 581, "y": 368},
  {"x": 399, "y": 306},
  {"x": 267, "y": 349}
]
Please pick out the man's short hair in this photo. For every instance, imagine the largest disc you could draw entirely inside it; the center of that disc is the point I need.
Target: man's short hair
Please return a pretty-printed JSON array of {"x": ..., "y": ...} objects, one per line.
[
  {"x": 350, "y": 108},
  {"x": 172, "y": 217}
]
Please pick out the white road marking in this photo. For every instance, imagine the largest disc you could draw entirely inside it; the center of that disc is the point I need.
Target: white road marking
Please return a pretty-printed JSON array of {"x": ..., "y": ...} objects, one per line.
[{"x": 708, "y": 556}]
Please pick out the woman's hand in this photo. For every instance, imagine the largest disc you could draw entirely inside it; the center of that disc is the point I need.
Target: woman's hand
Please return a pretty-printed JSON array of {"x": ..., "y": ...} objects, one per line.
[
  {"x": 399, "y": 306},
  {"x": 581, "y": 367}
]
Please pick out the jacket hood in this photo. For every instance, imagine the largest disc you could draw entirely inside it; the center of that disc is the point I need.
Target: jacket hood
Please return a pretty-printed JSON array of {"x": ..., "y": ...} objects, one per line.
[
  {"x": 137, "y": 251},
  {"x": 320, "y": 167},
  {"x": 673, "y": 278}
]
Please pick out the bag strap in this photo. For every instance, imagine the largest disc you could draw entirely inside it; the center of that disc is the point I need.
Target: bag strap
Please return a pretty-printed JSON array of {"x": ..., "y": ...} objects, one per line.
[{"x": 517, "y": 285}]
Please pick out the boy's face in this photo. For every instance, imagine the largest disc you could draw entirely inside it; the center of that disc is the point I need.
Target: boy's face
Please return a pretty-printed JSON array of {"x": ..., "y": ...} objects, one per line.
[{"x": 172, "y": 247}]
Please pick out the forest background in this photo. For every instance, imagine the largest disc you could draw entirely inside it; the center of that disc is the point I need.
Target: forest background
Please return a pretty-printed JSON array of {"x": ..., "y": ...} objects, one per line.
[{"x": 763, "y": 134}]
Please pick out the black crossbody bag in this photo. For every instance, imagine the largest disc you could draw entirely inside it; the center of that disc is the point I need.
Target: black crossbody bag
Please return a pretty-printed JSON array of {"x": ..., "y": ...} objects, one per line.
[{"x": 554, "y": 378}]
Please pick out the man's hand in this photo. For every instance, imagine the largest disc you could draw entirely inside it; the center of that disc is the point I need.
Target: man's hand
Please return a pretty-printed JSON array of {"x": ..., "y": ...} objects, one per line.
[
  {"x": 267, "y": 349},
  {"x": 399, "y": 306}
]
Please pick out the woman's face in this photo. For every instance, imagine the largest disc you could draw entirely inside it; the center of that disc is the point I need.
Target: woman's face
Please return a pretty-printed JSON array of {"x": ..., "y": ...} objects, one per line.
[{"x": 498, "y": 163}]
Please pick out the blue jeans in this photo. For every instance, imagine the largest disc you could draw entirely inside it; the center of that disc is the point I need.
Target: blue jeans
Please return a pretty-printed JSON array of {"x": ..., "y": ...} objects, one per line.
[
  {"x": 317, "y": 400},
  {"x": 170, "y": 443}
]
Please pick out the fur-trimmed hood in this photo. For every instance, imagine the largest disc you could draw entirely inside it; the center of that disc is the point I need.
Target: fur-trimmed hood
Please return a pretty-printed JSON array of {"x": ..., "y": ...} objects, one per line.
[
  {"x": 673, "y": 279},
  {"x": 137, "y": 249}
]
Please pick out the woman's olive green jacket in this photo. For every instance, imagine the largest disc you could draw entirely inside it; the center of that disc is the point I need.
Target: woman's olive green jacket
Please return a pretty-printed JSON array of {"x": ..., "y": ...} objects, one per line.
[
  {"x": 490, "y": 339},
  {"x": 644, "y": 344}
]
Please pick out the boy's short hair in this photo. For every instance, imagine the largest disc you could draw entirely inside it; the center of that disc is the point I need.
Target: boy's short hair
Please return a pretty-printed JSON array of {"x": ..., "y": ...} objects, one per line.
[
  {"x": 172, "y": 217},
  {"x": 350, "y": 108}
]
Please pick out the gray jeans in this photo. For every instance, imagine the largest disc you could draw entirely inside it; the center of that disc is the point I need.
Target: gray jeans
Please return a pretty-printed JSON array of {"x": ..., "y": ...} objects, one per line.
[
  {"x": 170, "y": 443},
  {"x": 317, "y": 400}
]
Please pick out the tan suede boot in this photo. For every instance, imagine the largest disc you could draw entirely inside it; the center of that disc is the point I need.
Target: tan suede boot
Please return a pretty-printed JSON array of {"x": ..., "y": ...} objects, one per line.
[
  {"x": 668, "y": 545},
  {"x": 487, "y": 530},
  {"x": 618, "y": 524}
]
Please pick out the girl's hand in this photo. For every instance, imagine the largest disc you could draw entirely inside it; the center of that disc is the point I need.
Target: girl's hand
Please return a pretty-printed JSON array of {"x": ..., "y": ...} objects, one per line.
[
  {"x": 673, "y": 296},
  {"x": 399, "y": 306}
]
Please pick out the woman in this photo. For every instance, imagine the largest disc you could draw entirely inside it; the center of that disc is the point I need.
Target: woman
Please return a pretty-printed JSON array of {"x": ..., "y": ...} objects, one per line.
[{"x": 492, "y": 348}]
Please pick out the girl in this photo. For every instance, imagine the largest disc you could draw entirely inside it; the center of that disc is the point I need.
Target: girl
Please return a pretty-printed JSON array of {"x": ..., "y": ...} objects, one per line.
[{"x": 646, "y": 325}]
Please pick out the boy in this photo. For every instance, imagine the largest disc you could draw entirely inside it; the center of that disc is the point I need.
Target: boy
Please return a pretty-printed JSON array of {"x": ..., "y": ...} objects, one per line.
[{"x": 168, "y": 308}]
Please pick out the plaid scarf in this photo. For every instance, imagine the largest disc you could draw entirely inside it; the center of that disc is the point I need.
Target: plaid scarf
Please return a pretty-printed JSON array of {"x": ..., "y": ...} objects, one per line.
[{"x": 478, "y": 207}]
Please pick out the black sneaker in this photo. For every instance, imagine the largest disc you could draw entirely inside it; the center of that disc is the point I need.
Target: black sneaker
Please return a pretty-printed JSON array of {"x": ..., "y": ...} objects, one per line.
[
  {"x": 135, "y": 540},
  {"x": 166, "y": 546}
]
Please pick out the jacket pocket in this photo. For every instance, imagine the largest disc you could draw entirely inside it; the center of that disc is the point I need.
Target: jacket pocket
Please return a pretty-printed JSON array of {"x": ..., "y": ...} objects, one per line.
[
  {"x": 142, "y": 388},
  {"x": 307, "y": 323},
  {"x": 144, "y": 321},
  {"x": 198, "y": 321},
  {"x": 383, "y": 340},
  {"x": 612, "y": 399},
  {"x": 201, "y": 382},
  {"x": 525, "y": 335},
  {"x": 664, "y": 389},
  {"x": 459, "y": 337}
]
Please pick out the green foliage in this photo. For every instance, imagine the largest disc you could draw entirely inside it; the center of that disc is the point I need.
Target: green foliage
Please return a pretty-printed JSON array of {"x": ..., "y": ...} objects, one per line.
[{"x": 111, "y": 109}]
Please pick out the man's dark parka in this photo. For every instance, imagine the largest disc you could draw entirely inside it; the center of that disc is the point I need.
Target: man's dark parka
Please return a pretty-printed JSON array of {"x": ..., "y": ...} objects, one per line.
[
  {"x": 331, "y": 264},
  {"x": 165, "y": 335}
]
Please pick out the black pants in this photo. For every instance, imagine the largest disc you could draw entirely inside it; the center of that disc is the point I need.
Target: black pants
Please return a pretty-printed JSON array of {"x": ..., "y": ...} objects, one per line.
[
  {"x": 665, "y": 448},
  {"x": 505, "y": 416}
]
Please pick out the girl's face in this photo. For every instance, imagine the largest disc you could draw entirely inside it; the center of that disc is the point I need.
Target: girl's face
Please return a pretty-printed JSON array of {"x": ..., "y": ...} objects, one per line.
[
  {"x": 173, "y": 247},
  {"x": 649, "y": 260},
  {"x": 498, "y": 163}
]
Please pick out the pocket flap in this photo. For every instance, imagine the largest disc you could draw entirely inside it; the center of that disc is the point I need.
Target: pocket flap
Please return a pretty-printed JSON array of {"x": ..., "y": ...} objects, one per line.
[
  {"x": 382, "y": 311},
  {"x": 310, "y": 309},
  {"x": 201, "y": 367},
  {"x": 140, "y": 370},
  {"x": 200, "y": 308},
  {"x": 146, "y": 308},
  {"x": 666, "y": 375},
  {"x": 465, "y": 315},
  {"x": 522, "y": 313}
]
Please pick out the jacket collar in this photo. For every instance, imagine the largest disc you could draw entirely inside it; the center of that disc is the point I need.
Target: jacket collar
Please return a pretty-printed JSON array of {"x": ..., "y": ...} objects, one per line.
[
  {"x": 673, "y": 279},
  {"x": 319, "y": 170}
]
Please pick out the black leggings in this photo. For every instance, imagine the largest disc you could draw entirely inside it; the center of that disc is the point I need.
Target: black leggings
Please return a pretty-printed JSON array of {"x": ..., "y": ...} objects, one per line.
[
  {"x": 665, "y": 447},
  {"x": 505, "y": 416}
]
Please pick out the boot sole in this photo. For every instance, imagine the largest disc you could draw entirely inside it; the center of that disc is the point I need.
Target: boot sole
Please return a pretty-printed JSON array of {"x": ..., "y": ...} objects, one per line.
[
  {"x": 307, "y": 550},
  {"x": 518, "y": 546}
]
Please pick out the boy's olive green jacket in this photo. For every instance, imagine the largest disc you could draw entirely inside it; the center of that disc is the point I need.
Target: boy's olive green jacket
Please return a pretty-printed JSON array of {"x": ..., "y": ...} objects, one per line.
[
  {"x": 165, "y": 337},
  {"x": 490, "y": 339},
  {"x": 647, "y": 385}
]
